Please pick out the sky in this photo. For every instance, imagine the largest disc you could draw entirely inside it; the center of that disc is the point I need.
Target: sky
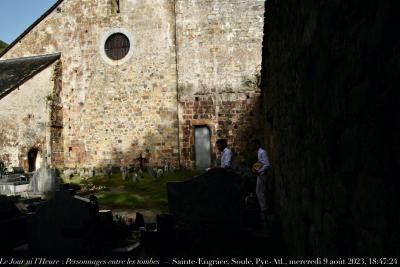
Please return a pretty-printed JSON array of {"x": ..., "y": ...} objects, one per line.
[{"x": 17, "y": 15}]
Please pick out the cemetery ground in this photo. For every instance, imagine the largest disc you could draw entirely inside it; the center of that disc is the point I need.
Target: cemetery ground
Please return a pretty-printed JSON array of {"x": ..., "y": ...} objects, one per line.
[
  {"x": 202, "y": 215},
  {"x": 148, "y": 195}
]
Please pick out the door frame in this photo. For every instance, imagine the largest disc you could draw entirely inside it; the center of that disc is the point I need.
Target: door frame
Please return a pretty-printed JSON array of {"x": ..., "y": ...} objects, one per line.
[{"x": 194, "y": 142}]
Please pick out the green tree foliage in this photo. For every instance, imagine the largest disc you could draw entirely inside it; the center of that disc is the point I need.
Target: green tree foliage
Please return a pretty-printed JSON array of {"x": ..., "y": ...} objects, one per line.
[{"x": 3, "y": 45}]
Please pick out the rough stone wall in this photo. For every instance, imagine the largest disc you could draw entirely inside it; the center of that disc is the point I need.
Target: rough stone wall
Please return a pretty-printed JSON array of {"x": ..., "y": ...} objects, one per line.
[
  {"x": 219, "y": 61},
  {"x": 112, "y": 112},
  {"x": 56, "y": 120},
  {"x": 24, "y": 119},
  {"x": 331, "y": 95}
]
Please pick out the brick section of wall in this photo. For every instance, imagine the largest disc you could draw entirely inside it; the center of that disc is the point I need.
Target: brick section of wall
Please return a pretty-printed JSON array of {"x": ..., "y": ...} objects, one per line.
[
  {"x": 219, "y": 61},
  {"x": 332, "y": 102},
  {"x": 235, "y": 120}
]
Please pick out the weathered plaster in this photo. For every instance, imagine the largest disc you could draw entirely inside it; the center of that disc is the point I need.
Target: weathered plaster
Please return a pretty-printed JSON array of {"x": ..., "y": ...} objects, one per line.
[{"x": 24, "y": 119}]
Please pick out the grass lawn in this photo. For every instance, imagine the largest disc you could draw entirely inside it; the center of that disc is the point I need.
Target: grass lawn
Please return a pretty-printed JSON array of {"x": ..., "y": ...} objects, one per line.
[{"x": 148, "y": 193}]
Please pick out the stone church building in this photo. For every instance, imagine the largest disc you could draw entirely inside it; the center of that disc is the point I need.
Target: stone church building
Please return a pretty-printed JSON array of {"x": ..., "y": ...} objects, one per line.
[{"x": 94, "y": 83}]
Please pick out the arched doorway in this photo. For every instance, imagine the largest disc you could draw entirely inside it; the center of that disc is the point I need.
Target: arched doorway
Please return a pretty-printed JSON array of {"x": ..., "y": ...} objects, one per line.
[{"x": 34, "y": 159}]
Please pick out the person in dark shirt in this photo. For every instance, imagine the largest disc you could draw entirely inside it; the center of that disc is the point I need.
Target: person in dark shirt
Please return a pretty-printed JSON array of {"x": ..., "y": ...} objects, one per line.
[{"x": 1, "y": 168}]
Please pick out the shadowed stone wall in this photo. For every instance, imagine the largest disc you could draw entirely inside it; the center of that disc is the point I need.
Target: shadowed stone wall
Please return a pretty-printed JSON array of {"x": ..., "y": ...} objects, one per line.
[{"x": 331, "y": 108}]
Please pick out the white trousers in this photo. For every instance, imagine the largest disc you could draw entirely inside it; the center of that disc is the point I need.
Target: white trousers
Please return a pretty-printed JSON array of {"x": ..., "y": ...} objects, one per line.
[{"x": 260, "y": 192}]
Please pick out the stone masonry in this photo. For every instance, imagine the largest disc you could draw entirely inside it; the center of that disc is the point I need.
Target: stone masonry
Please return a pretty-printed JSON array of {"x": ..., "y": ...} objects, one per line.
[
  {"x": 25, "y": 119},
  {"x": 190, "y": 63},
  {"x": 219, "y": 51}
]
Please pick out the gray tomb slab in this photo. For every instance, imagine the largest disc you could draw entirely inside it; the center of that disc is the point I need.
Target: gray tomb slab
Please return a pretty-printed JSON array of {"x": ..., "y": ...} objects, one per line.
[
  {"x": 115, "y": 169},
  {"x": 62, "y": 226},
  {"x": 14, "y": 184},
  {"x": 12, "y": 178},
  {"x": 18, "y": 170},
  {"x": 211, "y": 201}
]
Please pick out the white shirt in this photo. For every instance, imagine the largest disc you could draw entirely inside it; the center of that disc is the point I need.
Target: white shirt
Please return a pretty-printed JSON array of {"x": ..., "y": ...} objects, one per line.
[
  {"x": 263, "y": 159},
  {"x": 226, "y": 158}
]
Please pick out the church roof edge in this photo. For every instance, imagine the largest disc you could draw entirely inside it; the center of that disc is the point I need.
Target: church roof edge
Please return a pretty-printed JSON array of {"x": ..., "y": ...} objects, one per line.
[
  {"x": 15, "y": 72},
  {"x": 31, "y": 27}
]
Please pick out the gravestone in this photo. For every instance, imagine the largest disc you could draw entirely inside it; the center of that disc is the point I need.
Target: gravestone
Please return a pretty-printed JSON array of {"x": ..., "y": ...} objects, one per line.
[
  {"x": 18, "y": 170},
  {"x": 133, "y": 174},
  {"x": 211, "y": 201},
  {"x": 12, "y": 177},
  {"x": 160, "y": 173},
  {"x": 124, "y": 172},
  {"x": 140, "y": 174},
  {"x": 12, "y": 225},
  {"x": 152, "y": 172},
  {"x": 105, "y": 217},
  {"x": 115, "y": 169},
  {"x": 109, "y": 171},
  {"x": 63, "y": 226},
  {"x": 167, "y": 167},
  {"x": 165, "y": 223},
  {"x": 44, "y": 180},
  {"x": 139, "y": 220}
]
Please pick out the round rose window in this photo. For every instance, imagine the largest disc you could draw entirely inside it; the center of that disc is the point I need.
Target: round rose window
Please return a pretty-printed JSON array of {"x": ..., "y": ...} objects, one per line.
[{"x": 117, "y": 46}]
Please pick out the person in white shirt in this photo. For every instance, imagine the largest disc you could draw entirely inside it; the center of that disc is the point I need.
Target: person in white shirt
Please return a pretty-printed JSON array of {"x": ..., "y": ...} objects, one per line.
[
  {"x": 226, "y": 156},
  {"x": 261, "y": 168}
]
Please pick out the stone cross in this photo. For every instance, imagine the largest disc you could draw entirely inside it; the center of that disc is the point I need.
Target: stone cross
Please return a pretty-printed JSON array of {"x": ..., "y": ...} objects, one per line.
[{"x": 141, "y": 160}]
